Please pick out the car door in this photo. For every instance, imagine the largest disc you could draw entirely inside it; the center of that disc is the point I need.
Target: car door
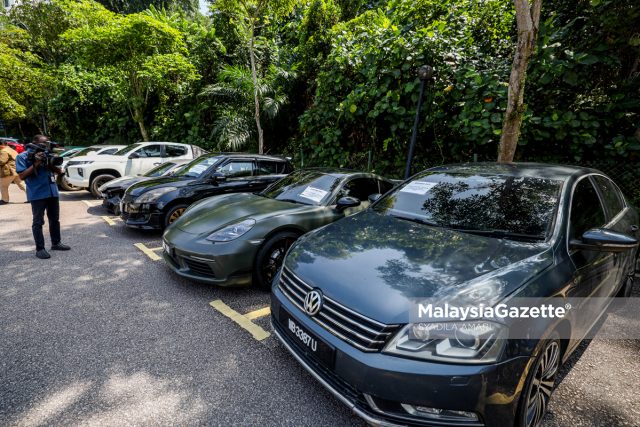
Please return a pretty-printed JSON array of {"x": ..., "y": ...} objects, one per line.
[
  {"x": 620, "y": 219},
  {"x": 267, "y": 172},
  {"x": 593, "y": 270},
  {"x": 239, "y": 174},
  {"x": 144, "y": 159}
]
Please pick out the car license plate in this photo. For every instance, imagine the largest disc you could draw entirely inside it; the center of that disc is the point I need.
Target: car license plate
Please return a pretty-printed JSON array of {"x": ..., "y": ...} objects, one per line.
[
  {"x": 123, "y": 207},
  {"x": 308, "y": 342},
  {"x": 166, "y": 247}
]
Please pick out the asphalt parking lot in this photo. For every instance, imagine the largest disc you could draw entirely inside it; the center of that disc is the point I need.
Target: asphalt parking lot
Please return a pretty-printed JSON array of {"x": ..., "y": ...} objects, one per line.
[{"x": 106, "y": 335}]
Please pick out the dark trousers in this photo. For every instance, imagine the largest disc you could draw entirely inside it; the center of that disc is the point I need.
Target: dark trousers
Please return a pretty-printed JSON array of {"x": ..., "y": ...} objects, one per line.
[{"x": 38, "y": 207}]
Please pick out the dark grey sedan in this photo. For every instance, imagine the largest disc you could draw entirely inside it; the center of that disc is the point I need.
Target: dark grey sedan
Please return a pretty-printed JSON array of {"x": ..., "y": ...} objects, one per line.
[{"x": 377, "y": 306}]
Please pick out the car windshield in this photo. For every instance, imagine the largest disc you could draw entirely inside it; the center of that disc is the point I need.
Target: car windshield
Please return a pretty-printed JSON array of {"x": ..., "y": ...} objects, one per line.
[
  {"x": 305, "y": 187},
  {"x": 126, "y": 150},
  {"x": 69, "y": 153},
  {"x": 198, "y": 167},
  {"x": 497, "y": 205},
  {"x": 85, "y": 151},
  {"x": 160, "y": 170}
]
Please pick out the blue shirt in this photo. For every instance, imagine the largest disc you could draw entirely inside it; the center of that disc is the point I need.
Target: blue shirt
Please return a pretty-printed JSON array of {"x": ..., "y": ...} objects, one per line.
[{"x": 40, "y": 186}]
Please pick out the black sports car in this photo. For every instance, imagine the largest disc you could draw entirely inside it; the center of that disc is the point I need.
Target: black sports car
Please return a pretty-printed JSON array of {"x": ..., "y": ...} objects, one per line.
[
  {"x": 156, "y": 203},
  {"x": 112, "y": 191}
]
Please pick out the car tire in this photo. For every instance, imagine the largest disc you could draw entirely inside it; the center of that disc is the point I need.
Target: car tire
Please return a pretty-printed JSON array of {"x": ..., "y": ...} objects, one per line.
[
  {"x": 97, "y": 183},
  {"x": 173, "y": 213},
  {"x": 64, "y": 185},
  {"x": 270, "y": 257},
  {"x": 629, "y": 281},
  {"x": 540, "y": 383}
]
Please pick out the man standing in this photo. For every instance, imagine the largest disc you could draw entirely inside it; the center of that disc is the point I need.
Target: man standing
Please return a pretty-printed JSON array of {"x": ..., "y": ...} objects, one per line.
[
  {"x": 8, "y": 171},
  {"x": 42, "y": 192}
]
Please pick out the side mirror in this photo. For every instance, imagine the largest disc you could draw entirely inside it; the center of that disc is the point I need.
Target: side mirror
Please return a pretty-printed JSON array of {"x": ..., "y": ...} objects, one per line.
[
  {"x": 347, "y": 202},
  {"x": 374, "y": 197},
  {"x": 604, "y": 240},
  {"x": 134, "y": 155},
  {"x": 218, "y": 177}
]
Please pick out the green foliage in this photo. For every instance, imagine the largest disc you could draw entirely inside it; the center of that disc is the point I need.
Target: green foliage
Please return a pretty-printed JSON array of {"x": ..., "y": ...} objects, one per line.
[
  {"x": 367, "y": 90},
  {"x": 142, "y": 56}
]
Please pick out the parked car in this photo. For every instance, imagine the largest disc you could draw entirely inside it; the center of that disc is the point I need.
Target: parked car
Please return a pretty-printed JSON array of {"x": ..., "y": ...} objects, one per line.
[
  {"x": 483, "y": 233},
  {"x": 93, "y": 150},
  {"x": 91, "y": 172},
  {"x": 15, "y": 144},
  {"x": 156, "y": 203},
  {"x": 239, "y": 239},
  {"x": 112, "y": 191}
]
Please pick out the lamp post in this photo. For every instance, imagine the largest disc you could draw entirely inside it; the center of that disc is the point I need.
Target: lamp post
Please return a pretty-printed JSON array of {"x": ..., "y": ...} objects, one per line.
[{"x": 424, "y": 74}]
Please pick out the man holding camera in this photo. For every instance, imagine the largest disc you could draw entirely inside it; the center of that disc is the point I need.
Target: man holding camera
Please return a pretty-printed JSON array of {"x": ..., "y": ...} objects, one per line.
[{"x": 33, "y": 166}]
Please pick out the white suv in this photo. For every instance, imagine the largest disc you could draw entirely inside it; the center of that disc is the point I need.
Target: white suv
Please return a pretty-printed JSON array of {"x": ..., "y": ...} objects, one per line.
[
  {"x": 93, "y": 150},
  {"x": 91, "y": 172}
]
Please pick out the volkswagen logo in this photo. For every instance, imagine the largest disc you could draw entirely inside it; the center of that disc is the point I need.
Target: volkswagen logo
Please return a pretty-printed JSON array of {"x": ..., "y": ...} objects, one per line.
[{"x": 313, "y": 303}]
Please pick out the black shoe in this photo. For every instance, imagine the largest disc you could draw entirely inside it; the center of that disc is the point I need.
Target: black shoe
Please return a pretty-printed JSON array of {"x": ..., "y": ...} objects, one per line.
[
  {"x": 43, "y": 254},
  {"x": 60, "y": 247},
  {"x": 2, "y": 202}
]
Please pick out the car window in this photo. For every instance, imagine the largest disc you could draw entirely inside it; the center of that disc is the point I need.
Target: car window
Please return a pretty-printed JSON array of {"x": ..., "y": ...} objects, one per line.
[
  {"x": 128, "y": 149},
  {"x": 175, "y": 150},
  {"x": 160, "y": 170},
  {"x": 492, "y": 204},
  {"x": 85, "y": 151},
  {"x": 271, "y": 167},
  {"x": 586, "y": 210},
  {"x": 361, "y": 188},
  {"x": 150, "y": 151},
  {"x": 613, "y": 200},
  {"x": 108, "y": 151},
  {"x": 236, "y": 169}
]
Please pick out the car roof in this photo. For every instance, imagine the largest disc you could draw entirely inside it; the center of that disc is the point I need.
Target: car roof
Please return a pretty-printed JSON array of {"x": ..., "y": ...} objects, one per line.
[
  {"x": 247, "y": 156},
  {"x": 341, "y": 172},
  {"x": 532, "y": 170}
]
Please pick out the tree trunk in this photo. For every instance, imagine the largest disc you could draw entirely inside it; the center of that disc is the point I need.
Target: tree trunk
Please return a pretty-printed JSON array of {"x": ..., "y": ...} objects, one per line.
[
  {"x": 256, "y": 97},
  {"x": 138, "y": 117},
  {"x": 528, "y": 22}
]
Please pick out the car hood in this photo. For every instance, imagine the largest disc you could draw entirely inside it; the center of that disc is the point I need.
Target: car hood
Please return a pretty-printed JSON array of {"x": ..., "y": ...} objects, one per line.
[
  {"x": 381, "y": 266},
  {"x": 122, "y": 183},
  {"x": 99, "y": 158},
  {"x": 218, "y": 211},
  {"x": 154, "y": 183}
]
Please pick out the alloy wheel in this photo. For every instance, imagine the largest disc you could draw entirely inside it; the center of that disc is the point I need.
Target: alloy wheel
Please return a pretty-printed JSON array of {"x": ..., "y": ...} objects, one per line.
[
  {"x": 274, "y": 260},
  {"x": 175, "y": 215},
  {"x": 542, "y": 384}
]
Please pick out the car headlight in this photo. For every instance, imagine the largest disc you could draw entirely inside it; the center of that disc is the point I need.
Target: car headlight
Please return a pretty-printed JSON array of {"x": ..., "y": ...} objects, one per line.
[
  {"x": 80, "y": 162},
  {"x": 232, "y": 232},
  {"x": 468, "y": 342},
  {"x": 152, "y": 195}
]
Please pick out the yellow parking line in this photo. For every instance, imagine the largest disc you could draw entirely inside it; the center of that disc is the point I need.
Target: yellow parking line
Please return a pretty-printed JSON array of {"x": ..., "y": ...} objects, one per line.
[
  {"x": 148, "y": 252},
  {"x": 91, "y": 204},
  {"x": 155, "y": 249},
  {"x": 243, "y": 321},
  {"x": 109, "y": 220},
  {"x": 258, "y": 313}
]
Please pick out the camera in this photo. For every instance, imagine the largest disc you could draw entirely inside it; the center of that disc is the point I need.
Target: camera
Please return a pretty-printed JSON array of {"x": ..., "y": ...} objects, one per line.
[{"x": 47, "y": 159}]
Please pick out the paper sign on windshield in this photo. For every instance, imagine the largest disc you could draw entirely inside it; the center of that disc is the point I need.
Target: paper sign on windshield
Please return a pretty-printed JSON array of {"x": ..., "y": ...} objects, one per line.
[
  {"x": 313, "y": 193},
  {"x": 418, "y": 187}
]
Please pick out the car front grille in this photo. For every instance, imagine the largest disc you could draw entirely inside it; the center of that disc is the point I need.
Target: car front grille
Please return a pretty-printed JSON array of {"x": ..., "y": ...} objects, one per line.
[
  {"x": 197, "y": 267},
  {"x": 360, "y": 331}
]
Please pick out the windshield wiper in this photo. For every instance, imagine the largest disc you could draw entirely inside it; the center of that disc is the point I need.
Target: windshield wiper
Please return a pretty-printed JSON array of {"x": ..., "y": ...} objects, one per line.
[
  {"x": 293, "y": 201},
  {"x": 418, "y": 220},
  {"x": 503, "y": 233}
]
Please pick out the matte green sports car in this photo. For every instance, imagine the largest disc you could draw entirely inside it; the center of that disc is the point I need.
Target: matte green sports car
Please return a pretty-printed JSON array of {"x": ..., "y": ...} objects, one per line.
[{"x": 239, "y": 239}]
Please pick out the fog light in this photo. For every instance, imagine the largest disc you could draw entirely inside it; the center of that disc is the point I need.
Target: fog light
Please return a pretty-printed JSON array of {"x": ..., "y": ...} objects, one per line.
[
  {"x": 81, "y": 172},
  {"x": 439, "y": 414}
]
